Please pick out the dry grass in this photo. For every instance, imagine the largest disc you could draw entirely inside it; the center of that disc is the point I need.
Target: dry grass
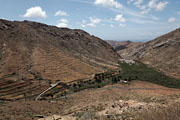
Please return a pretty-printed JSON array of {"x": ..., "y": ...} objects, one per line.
[
  {"x": 93, "y": 103},
  {"x": 58, "y": 65},
  {"x": 170, "y": 113}
]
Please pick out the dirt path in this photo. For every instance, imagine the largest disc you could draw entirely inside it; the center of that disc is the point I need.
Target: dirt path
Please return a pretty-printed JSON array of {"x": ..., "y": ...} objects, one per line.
[{"x": 53, "y": 86}]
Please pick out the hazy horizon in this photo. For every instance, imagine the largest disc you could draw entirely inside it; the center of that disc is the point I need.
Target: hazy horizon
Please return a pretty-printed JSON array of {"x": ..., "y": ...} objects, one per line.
[{"x": 129, "y": 40}]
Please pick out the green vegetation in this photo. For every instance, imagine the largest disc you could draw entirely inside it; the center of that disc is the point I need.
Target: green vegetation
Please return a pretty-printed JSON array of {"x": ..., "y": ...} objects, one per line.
[
  {"x": 90, "y": 84},
  {"x": 138, "y": 71},
  {"x": 100, "y": 80},
  {"x": 142, "y": 72}
]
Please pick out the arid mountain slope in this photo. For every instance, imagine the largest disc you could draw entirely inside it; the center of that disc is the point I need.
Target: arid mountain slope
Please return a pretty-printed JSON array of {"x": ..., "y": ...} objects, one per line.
[
  {"x": 124, "y": 47},
  {"x": 30, "y": 49},
  {"x": 115, "y": 44},
  {"x": 162, "y": 53}
]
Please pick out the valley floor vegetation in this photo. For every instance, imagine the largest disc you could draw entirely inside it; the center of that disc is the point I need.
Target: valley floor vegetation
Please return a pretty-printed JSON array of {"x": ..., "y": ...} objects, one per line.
[
  {"x": 142, "y": 72},
  {"x": 124, "y": 75},
  {"x": 106, "y": 98}
]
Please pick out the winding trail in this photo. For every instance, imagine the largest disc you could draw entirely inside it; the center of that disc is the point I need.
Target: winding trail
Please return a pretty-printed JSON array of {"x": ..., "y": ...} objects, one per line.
[{"x": 53, "y": 86}]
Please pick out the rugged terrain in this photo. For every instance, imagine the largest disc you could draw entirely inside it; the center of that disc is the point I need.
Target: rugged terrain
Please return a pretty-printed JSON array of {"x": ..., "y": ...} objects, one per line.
[
  {"x": 30, "y": 50},
  {"x": 162, "y": 53},
  {"x": 120, "y": 101},
  {"x": 115, "y": 44},
  {"x": 50, "y": 73},
  {"x": 122, "y": 47}
]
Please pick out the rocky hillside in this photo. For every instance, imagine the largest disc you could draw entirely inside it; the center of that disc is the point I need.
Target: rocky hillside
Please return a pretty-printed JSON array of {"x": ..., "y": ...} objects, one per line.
[
  {"x": 162, "y": 53},
  {"x": 116, "y": 44},
  {"x": 35, "y": 50},
  {"x": 124, "y": 47}
]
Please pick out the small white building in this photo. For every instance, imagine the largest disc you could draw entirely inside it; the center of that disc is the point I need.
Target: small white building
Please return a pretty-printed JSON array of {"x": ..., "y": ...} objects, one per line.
[{"x": 130, "y": 62}]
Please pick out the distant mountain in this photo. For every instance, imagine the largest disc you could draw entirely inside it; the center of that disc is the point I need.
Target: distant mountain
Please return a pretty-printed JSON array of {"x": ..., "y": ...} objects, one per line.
[
  {"x": 115, "y": 44},
  {"x": 162, "y": 53},
  {"x": 122, "y": 47},
  {"x": 30, "y": 49}
]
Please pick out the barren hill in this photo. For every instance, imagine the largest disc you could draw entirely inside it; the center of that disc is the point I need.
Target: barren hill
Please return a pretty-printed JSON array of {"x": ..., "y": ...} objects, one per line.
[
  {"x": 124, "y": 47},
  {"x": 115, "y": 44},
  {"x": 35, "y": 50},
  {"x": 162, "y": 53}
]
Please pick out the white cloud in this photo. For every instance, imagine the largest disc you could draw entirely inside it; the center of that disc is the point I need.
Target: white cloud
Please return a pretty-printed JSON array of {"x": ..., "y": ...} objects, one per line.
[
  {"x": 158, "y": 6},
  {"x": 122, "y": 25},
  {"x": 109, "y": 3},
  {"x": 64, "y": 20},
  {"x": 83, "y": 25},
  {"x": 161, "y": 5},
  {"x": 91, "y": 25},
  {"x": 129, "y": 1},
  {"x": 171, "y": 20},
  {"x": 95, "y": 20},
  {"x": 120, "y": 18},
  {"x": 36, "y": 12},
  {"x": 62, "y": 23},
  {"x": 152, "y": 3},
  {"x": 138, "y": 2},
  {"x": 178, "y": 13},
  {"x": 61, "y": 13}
]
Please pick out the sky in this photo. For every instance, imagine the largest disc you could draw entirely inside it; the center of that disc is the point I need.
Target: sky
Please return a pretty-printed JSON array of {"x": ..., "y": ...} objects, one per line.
[{"x": 136, "y": 20}]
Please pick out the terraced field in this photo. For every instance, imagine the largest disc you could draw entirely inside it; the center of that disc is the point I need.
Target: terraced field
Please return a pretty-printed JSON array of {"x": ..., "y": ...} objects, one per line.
[
  {"x": 12, "y": 89},
  {"x": 33, "y": 49},
  {"x": 57, "y": 65},
  {"x": 98, "y": 80},
  {"x": 15, "y": 90}
]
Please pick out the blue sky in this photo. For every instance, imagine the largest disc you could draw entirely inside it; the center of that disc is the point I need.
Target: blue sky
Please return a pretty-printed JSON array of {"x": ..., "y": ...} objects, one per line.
[{"x": 136, "y": 20}]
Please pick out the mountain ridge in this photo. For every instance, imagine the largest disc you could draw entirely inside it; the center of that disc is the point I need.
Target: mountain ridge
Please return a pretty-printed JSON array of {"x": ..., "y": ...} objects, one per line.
[
  {"x": 161, "y": 53},
  {"x": 32, "y": 49}
]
